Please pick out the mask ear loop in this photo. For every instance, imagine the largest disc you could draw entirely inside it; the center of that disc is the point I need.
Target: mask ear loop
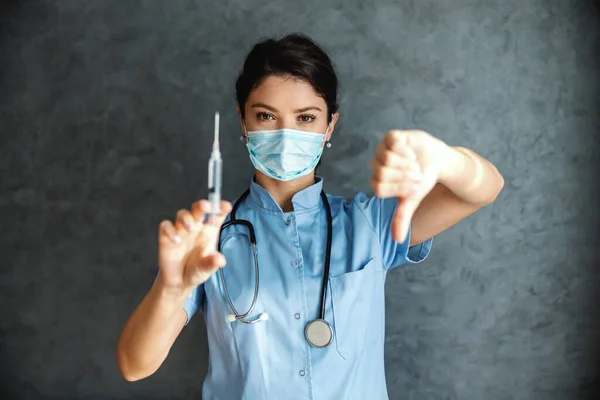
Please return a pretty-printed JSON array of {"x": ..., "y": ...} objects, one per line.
[
  {"x": 327, "y": 142},
  {"x": 244, "y": 137}
]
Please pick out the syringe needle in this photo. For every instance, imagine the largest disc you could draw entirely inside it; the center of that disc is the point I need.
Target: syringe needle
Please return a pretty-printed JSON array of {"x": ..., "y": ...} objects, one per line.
[{"x": 216, "y": 141}]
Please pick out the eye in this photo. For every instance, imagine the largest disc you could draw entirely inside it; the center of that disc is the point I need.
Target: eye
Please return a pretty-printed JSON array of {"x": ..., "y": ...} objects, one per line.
[
  {"x": 264, "y": 116},
  {"x": 307, "y": 118}
]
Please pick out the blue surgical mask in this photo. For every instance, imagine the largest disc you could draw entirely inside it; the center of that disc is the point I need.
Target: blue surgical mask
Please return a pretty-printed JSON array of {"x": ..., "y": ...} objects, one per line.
[{"x": 285, "y": 154}]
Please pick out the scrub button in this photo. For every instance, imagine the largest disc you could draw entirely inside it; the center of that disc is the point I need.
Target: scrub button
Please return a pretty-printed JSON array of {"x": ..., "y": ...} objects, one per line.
[
  {"x": 302, "y": 373},
  {"x": 297, "y": 316}
]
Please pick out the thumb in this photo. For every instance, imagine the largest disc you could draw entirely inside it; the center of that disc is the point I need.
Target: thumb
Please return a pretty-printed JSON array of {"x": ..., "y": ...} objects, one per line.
[
  {"x": 402, "y": 218},
  {"x": 211, "y": 262},
  {"x": 201, "y": 267}
]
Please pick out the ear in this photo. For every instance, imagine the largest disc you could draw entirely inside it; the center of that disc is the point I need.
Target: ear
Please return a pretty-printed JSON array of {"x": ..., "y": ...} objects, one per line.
[{"x": 331, "y": 126}]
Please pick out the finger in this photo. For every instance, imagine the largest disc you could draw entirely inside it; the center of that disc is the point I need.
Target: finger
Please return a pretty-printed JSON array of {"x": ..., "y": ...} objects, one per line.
[
  {"x": 217, "y": 218},
  {"x": 208, "y": 240},
  {"x": 203, "y": 207},
  {"x": 392, "y": 159},
  {"x": 200, "y": 209},
  {"x": 394, "y": 138},
  {"x": 225, "y": 209},
  {"x": 403, "y": 137},
  {"x": 168, "y": 233},
  {"x": 185, "y": 221},
  {"x": 384, "y": 189},
  {"x": 399, "y": 142},
  {"x": 405, "y": 152},
  {"x": 387, "y": 174},
  {"x": 211, "y": 262},
  {"x": 402, "y": 218},
  {"x": 200, "y": 268},
  {"x": 205, "y": 262}
]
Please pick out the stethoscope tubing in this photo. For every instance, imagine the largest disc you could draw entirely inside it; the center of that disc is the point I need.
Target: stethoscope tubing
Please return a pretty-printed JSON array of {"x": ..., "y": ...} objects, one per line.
[{"x": 233, "y": 221}]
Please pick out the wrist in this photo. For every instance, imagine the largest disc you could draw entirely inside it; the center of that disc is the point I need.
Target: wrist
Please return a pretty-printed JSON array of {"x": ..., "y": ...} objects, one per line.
[
  {"x": 453, "y": 164},
  {"x": 170, "y": 292}
]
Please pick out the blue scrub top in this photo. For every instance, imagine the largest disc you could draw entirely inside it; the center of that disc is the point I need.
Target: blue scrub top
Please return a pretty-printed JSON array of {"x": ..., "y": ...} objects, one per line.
[{"x": 272, "y": 359}]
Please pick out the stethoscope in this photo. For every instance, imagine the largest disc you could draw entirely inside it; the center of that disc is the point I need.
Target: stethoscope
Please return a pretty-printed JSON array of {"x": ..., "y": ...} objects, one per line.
[{"x": 318, "y": 332}]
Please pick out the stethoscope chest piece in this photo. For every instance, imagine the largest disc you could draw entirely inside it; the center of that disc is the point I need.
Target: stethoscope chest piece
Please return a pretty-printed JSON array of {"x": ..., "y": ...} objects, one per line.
[{"x": 319, "y": 333}]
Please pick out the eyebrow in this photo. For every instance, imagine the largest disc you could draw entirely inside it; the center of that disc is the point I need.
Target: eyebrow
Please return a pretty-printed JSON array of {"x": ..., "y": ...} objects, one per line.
[{"x": 300, "y": 110}]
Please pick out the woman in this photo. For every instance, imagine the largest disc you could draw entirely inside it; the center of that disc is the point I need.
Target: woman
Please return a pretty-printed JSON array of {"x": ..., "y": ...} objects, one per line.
[{"x": 286, "y": 97}]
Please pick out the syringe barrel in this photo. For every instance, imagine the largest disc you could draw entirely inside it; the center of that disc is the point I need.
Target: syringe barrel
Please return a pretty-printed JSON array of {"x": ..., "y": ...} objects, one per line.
[{"x": 214, "y": 184}]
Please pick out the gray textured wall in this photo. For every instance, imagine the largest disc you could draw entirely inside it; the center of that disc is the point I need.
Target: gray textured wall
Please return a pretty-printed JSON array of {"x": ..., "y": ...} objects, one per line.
[{"x": 106, "y": 111}]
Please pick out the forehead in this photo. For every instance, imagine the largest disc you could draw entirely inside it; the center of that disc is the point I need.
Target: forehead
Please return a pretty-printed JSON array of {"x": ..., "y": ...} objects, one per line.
[{"x": 285, "y": 92}]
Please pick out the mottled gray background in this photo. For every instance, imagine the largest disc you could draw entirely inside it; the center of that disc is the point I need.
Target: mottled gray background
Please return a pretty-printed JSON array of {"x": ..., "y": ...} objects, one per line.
[{"x": 106, "y": 114}]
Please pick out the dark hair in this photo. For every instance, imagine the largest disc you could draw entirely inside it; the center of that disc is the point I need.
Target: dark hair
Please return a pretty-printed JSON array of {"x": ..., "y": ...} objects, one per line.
[{"x": 295, "y": 55}]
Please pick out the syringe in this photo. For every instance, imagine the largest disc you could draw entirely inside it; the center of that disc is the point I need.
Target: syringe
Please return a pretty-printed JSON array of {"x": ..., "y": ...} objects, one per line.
[{"x": 215, "y": 166}]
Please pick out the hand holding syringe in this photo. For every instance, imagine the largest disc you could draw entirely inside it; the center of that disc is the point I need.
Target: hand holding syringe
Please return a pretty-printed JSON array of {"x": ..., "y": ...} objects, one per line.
[{"x": 187, "y": 252}]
